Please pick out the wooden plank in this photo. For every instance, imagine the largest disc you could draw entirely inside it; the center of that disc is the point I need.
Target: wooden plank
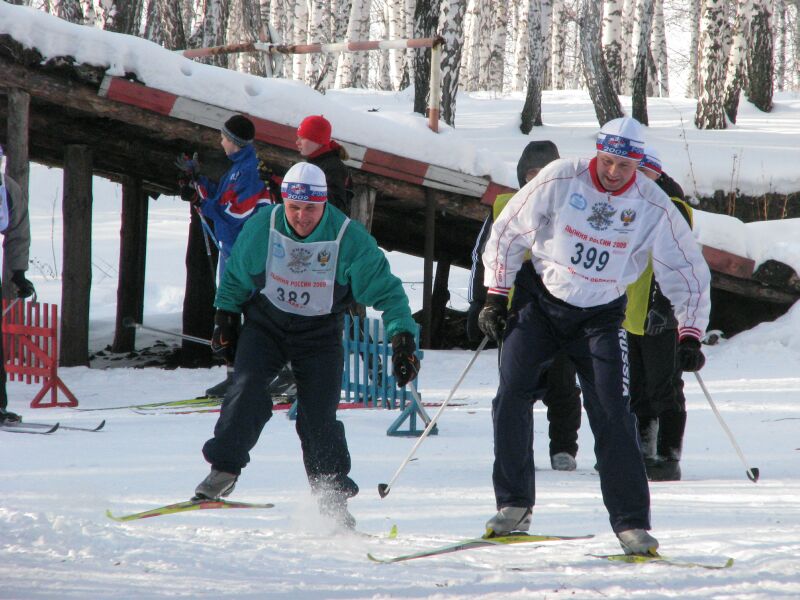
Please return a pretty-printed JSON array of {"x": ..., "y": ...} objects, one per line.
[
  {"x": 751, "y": 289},
  {"x": 391, "y": 165},
  {"x": 726, "y": 262}
]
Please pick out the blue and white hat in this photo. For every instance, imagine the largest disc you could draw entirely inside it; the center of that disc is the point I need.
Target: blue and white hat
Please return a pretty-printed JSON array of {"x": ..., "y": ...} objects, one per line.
[
  {"x": 651, "y": 160},
  {"x": 304, "y": 182},
  {"x": 622, "y": 137}
]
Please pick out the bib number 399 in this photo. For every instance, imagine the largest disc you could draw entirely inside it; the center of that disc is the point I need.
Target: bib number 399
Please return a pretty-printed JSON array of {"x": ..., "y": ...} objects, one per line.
[
  {"x": 293, "y": 297},
  {"x": 590, "y": 258}
]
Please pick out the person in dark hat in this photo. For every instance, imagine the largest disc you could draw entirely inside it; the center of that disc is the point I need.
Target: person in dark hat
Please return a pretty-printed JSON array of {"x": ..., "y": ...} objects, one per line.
[
  {"x": 294, "y": 271},
  {"x": 559, "y": 392},
  {"x": 657, "y": 397},
  {"x": 16, "y": 230},
  {"x": 316, "y": 146},
  {"x": 232, "y": 200}
]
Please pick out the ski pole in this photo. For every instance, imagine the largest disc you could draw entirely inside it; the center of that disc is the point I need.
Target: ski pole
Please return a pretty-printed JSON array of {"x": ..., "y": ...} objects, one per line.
[
  {"x": 752, "y": 472},
  {"x": 129, "y": 322},
  {"x": 385, "y": 488},
  {"x": 10, "y": 306}
]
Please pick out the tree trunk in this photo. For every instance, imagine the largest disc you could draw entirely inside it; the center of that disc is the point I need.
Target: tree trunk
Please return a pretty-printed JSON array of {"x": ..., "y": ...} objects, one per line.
[
  {"x": 344, "y": 69},
  {"x": 693, "y": 83},
  {"x": 319, "y": 65},
  {"x": 547, "y": 42},
  {"x": 710, "y": 113},
  {"x": 760, "y": 63},
  {"x": 244, "y": 25},
  {"x": 396, "y": 31},
  {"x": 780, "y": 44},
  {"x": 659, "y": 48},
  {"x": 494, "y": 68},
  {"x": 451, "y": 28},
  {"x": 165, "y": 24},
  {"x": 426, "y": 19},
  {"x": 299, "y": 36},
  {"x": 601, "y": 88},
  {"x": 630, "y": 33},
  {"x": 532, "y": 109},
  {"x": 521, "y": 44},
  {"x": 472, "y": 41},
  {"x": 737, "y": 59},
  {"x": 122, "y": 16},
  {"x": 612, "y": 40},
  {"x": 559, "y": 46},
  {"x": 211, "y": 31},
  {"x": 69, "y": 10},
  {"x": 639, "y": 100}
]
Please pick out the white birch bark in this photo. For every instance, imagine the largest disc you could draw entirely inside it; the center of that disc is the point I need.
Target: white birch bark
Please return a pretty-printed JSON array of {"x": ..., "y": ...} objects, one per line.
[
  {"x": 348, "y": 62},
  {"x": 710, "y": 113},
  {"x": 318, "y": 64},
  {"x": 451, "y": 28},
  {"x": 497, "y": 59},
  {"x": 693, "y": 83},
  {"x": 164, "y": 24},
  {"x": 659, "y": 48},
  {"x": 299, "y": 19},
  {"x": 472, "y": 46},
  {"x": 612, "y": 39},
  {"x": 780, "y": 45},
  {"x": 761, "y": 60},
  {"x": 737, "y": 57},
  {"x": 628, "y": 44},
  {"x": 396, "y": 30},
  {"x": 521, "y": 44},
  {"x": 244, "y": 25},
  {"x": 640, "y": 78},
  {"x": 546, "y": 28},
  {"x": 559, "y": 45}
]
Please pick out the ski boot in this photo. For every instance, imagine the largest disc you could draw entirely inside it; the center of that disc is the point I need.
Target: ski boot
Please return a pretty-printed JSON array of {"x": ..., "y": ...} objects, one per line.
[
  {"x": 9, "y": 417},
  {"x": 638, "y": 541},
  {"x": 509, "y": 519},
  {"x": 216, "y": 485},
  {"x": 218, "y": 390},
  {"x": 563, "y": 461}
]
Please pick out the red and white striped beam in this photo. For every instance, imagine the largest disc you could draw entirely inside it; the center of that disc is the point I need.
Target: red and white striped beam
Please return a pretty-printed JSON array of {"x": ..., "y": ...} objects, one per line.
[{"x": 362, "y": 158}]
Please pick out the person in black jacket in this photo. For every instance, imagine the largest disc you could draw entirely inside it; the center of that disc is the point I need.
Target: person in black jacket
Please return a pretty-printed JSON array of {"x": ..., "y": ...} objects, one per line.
[
  {"x": 316, "y": 146},
  {"x": 560, "y": 393},
  {"x": 16, "y": 230}
]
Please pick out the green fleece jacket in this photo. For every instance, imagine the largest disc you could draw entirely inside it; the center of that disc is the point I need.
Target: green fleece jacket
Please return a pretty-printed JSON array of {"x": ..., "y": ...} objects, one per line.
[{"x": 362, "y": 267}]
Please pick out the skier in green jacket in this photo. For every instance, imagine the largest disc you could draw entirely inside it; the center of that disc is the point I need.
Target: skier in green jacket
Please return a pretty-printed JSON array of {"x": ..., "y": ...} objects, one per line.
[{"x": 294, "y": 270}]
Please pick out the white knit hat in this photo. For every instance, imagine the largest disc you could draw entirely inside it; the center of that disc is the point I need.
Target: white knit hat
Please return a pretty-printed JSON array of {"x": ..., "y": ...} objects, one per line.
[
  {"x": 304, "y": 182},
  {"x": 622, "y": 137}
]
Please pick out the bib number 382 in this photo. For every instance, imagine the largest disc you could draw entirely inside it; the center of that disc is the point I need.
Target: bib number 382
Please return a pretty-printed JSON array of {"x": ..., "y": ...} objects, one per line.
[
  {"x": 293, "y": 297},
  {"x": 589, "y": 257}
]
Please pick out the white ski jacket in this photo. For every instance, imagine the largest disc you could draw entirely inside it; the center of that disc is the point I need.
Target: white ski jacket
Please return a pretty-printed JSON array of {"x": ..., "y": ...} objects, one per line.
[{"x": 588, "y": 244}]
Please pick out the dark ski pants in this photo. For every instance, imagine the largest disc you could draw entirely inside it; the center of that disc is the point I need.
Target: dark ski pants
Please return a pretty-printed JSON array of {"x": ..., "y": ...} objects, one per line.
[
  {"x": 562, "y": 397},
  {"x": 656, "y": 381},
  {"x": 539, "y": 327},
  {"x": 316, "y": 356}
]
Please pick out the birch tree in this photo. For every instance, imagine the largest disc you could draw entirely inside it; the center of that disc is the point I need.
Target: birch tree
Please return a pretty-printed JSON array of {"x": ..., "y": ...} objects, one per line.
[
  {"x": 780, "y": 44},
  {"x": 164, "y": 24},
  {"x": 299, "y": 20},
  {"x": 710, "y": 113},
  {"x": 601, "y": 88},
  {"x": 693, "y": 83},
  {"x": 69, "y": 10},
  {"x": 760, "y": 60},
  {"x": 121, "y": 16},
  {"x": 612, "y": 40},
  {"x": 349, "y": 62},
  {"x": 244, "y": 25},
  {"x": 639, "y": 99},
  {"x": 493, "y": 53},
  {"x": 658, "y": 46},
  {"x": 521, "y": 44},
  {"x": 211, "y": 32},
  {"x": 397, "y": 30},
  {"x": 559, "y": 45},
  {"x": 735, "y": 71},
  {"x": 546, "y": 19},
  {"x": 426, "y": 20},
  {"x": 475, "y": 22},
  {"x": 629, "y": 37},
  {"x": 318, "y": 64},
  {"x": 532, "y": 109},
  {"x": 451, "y": 28}
]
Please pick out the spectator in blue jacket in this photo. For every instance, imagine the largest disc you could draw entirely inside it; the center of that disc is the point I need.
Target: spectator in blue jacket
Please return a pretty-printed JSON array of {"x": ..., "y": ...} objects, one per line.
[{"x": 228, "y": 203}]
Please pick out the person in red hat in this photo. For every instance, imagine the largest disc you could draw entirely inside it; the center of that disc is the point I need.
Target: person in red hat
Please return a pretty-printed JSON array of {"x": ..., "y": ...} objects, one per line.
[{"x": 316, "y": 147}]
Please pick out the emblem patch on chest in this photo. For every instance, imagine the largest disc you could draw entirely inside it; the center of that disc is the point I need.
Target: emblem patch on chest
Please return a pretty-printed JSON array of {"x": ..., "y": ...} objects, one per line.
[
  {"x": 601, "y": 217},
  {"x": 299, "y": 260},
  {"x": 627, "y": 217}
]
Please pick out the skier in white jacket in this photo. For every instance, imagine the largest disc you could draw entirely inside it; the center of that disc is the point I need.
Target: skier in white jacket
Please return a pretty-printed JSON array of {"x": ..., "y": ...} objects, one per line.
[{"x": 590, "y": 226}]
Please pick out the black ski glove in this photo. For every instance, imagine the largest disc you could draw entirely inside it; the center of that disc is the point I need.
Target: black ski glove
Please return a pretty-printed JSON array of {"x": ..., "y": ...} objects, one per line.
[
  {"x": 404, "y": 362},
  {"x": 493, "y": 316},
  {"x": 226, "y": 335},
  {"x": 25, "y": 288},
  {"x": 690, "y": 356}
]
